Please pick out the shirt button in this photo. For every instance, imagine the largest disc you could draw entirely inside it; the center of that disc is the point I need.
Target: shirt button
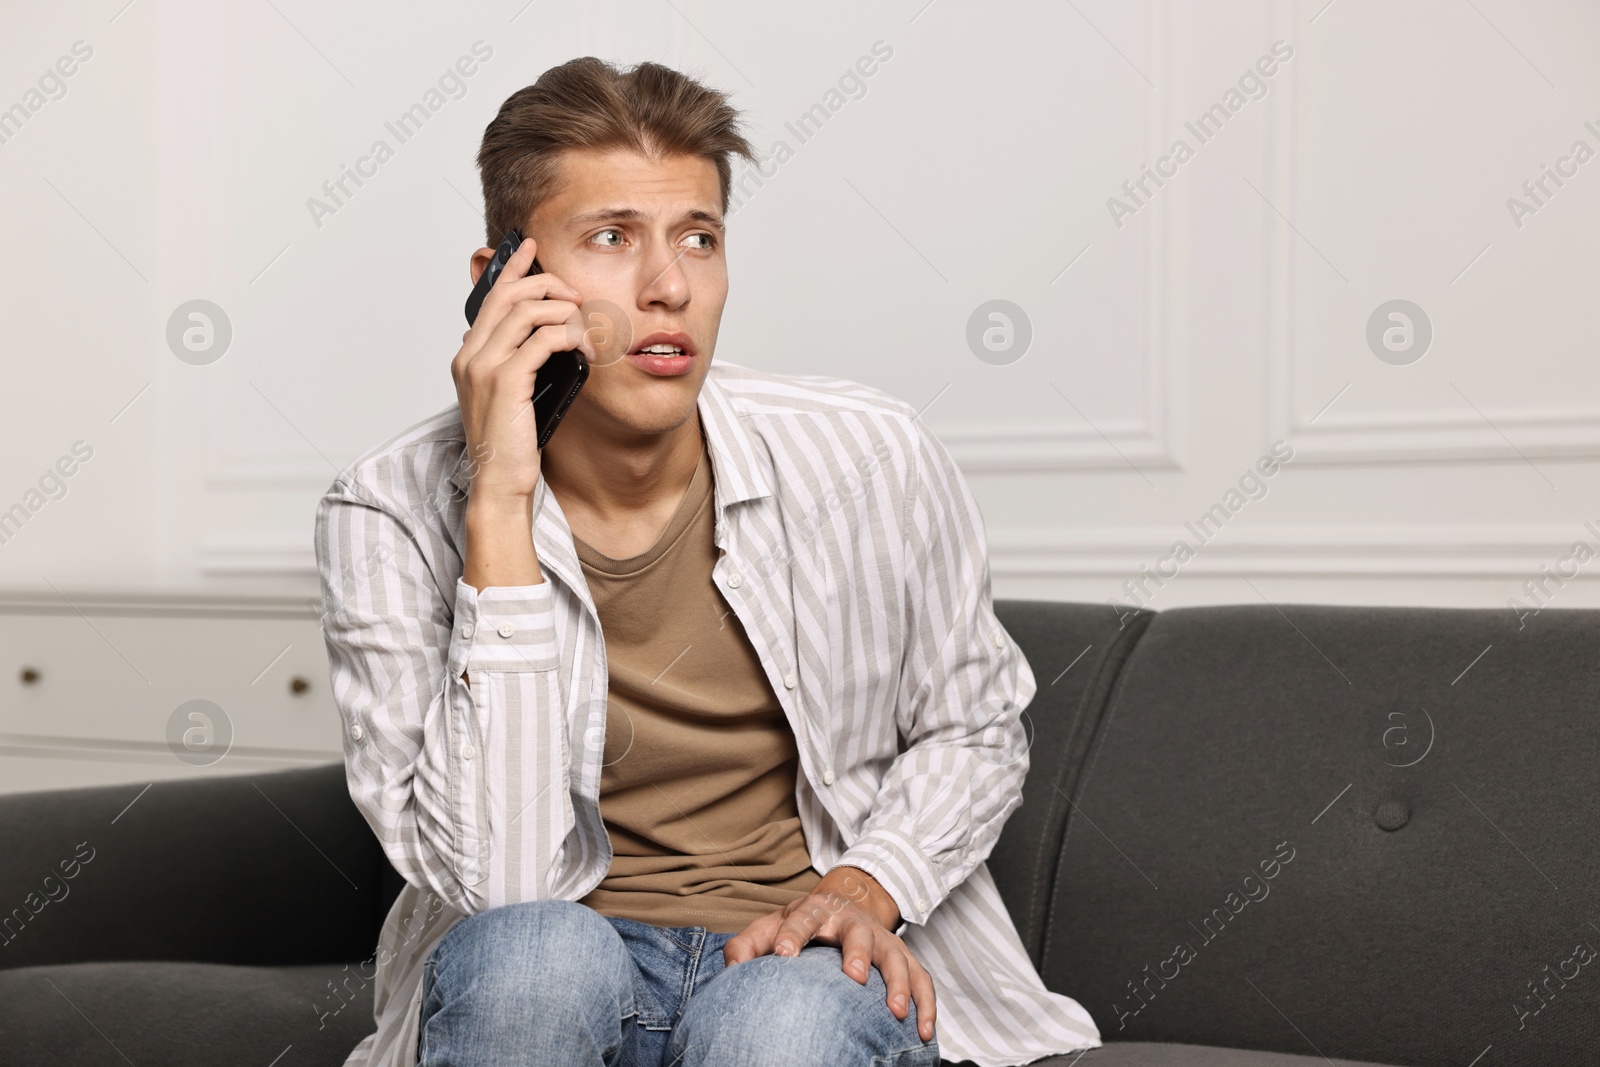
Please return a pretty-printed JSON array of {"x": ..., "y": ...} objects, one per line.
[
  {"x": 922, "y": 903},
  {"x": 788, "y": 681},
  {"x": 827, "y": 777},
  {"x": 506, "y": 629},
  {"x": 999, "y": 642},
  {"x": 466, "y": 630},
  {"x": 735, "y": 581},
  {"x": 467, "y": 752},
  {"x": 356, "y": 732}
]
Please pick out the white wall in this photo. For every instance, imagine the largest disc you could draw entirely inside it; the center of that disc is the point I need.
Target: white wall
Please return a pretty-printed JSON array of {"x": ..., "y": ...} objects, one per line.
[{"x": 1168, "y": 353}]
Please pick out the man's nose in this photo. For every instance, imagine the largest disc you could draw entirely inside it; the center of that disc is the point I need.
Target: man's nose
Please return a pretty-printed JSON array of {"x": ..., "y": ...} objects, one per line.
[{"x": 665, "y": 280}]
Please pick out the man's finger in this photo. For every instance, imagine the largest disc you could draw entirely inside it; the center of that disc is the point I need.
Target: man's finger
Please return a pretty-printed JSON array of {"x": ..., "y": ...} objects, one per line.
[
  {"x": 857, "y": 945},
  {"x": 922, "y": 993},
  {"x": 754, "y": 940},
  {"x": 894, "y": 963},
  {"x": 798, "y": 928}
]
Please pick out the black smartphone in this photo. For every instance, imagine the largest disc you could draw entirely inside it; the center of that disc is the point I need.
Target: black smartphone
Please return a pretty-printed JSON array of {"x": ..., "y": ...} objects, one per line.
[{"x": 557, "y": 382}]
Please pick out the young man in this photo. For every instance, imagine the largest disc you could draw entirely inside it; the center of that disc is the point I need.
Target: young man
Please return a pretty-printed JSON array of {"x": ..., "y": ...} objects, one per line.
[{"x": 689, "y": 733}]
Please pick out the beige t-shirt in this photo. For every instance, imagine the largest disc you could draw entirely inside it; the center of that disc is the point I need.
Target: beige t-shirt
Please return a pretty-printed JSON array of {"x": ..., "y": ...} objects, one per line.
[{"x": 698, "y": 787}]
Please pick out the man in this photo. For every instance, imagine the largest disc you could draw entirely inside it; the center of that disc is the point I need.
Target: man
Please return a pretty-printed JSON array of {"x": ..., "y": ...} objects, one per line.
[{"x": 669, "y": 779}]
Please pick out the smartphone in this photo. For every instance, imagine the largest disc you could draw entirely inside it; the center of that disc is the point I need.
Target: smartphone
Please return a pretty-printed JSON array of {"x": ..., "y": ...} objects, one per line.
[{"x": 557, "y": 382}]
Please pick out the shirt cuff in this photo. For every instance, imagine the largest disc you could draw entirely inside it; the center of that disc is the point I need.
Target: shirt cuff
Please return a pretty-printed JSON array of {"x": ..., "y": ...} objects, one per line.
[
  {"x": 504, "y": 628},
  {"x": 904, "y": 872}
]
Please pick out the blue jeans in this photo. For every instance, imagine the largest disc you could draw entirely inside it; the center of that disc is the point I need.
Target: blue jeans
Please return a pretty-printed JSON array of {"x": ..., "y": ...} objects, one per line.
[{"x": 555, "y": 983}]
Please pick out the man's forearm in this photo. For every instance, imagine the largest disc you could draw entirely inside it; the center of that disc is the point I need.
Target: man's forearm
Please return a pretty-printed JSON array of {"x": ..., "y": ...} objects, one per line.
[{"x": 499, "y": 544}]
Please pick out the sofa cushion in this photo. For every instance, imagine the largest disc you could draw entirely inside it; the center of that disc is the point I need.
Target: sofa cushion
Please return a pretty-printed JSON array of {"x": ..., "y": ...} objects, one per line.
[
  {"x": 1365, "y": 832},
  {"x": 182, "y": 1014}
]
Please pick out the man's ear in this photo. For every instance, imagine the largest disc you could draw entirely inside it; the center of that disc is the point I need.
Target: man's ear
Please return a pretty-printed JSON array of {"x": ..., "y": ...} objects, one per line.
[{"x": 479, "y": 263}]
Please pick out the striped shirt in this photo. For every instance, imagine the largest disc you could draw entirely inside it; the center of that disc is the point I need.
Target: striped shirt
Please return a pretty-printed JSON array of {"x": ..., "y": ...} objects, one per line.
[{"x": 852, "y": 551}]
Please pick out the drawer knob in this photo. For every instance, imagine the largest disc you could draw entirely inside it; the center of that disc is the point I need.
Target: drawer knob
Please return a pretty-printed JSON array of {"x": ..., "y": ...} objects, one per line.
[
  {"x": 30, "y": 676},
  {"x": 298, "y": 685}
]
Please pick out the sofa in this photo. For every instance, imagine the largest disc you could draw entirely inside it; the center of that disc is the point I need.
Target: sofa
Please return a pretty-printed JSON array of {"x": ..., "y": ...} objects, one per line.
[{"x": 1250, "y": 835}]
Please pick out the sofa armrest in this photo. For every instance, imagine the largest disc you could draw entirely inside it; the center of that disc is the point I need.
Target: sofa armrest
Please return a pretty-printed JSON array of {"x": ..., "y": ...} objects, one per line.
[{"x": 264, "y": 869}]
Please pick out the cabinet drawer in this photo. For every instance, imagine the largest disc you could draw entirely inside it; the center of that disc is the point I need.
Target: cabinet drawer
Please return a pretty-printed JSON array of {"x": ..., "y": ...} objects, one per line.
[{"x": 127, "y": 681}]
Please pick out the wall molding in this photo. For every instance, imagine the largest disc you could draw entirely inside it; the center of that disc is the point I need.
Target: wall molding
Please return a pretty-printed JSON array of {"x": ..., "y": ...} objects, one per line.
[
  {"x": 1307, "y": 551},
  {"x": 1415, "y": 436},
  {"x": 1404, "y": 436},
  {"x": 991, "y": 447},
  {"x": 980, "y": 448},
  {"x": 239, "y": 555},
  {"x": 1514, "y": 553},
  {"x": 286, "y": 594}
]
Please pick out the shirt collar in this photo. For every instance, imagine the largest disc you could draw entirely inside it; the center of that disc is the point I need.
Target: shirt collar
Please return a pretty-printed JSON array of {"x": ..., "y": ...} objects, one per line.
[{"x": 740, "y": 464}]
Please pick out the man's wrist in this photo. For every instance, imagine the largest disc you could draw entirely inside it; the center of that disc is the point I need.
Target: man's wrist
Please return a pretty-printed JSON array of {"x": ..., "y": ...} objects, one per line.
[
  {"x": 861, "y": 888},
  {"x": 491, "y": 508}
]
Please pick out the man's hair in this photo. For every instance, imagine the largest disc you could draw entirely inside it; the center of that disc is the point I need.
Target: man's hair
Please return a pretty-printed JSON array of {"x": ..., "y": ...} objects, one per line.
[{"x": 589, "y": 103}]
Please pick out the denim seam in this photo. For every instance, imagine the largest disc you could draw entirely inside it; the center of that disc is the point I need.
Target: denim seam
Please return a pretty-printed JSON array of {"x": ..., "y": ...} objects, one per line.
[
  {"x": 894, "y": 1059},
  {"x": 668, "y": 1020},
  {"x": 689, "y": 972},
  {"x": 671, "y": 932}
]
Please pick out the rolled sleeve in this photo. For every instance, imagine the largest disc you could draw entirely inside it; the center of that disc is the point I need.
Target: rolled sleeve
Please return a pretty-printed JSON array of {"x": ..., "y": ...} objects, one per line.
[
  {"x": 504, "y": 628},
  {"x": 463, "y": 781}
]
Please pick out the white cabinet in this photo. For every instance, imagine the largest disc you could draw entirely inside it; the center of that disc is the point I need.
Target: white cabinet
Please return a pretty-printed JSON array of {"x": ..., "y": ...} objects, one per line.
[{"x": 101, "y": 687}]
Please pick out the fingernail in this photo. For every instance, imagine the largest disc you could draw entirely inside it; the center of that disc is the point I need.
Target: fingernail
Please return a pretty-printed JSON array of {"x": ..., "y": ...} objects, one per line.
[
  {"x": 785, "y": 947},
  {"x": 900, "y": 1003}
]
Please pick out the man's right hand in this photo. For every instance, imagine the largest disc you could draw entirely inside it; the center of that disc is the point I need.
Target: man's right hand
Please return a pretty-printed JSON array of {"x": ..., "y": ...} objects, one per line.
[{"x": 522, "y": 321}]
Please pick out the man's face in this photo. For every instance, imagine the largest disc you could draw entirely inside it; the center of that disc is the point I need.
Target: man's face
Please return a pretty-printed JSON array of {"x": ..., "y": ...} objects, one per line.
[{"x": 642, "y": 238}]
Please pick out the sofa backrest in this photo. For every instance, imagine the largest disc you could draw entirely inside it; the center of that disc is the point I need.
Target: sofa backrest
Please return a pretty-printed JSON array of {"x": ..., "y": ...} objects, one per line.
[
  {"x": 266, "y": 870},
  {"x": 1360, "y": 832},
  {"x": 1076, "y": 653}
]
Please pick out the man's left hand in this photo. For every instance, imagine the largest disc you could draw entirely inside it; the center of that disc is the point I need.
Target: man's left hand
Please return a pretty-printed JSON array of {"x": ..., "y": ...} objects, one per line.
[{"x": 847, "y": 908}]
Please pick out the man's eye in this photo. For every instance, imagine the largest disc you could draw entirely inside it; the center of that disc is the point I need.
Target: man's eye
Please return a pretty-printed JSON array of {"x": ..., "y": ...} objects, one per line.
[
  {"x": 607, "y": 233},
  {"x": 709, "y": 241}
]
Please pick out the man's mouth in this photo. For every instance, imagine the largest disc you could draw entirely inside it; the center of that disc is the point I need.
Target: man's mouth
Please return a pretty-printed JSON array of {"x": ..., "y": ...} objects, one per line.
[
  {"x": 664, "y": 344},
  {"x": 665, "y": 355}
]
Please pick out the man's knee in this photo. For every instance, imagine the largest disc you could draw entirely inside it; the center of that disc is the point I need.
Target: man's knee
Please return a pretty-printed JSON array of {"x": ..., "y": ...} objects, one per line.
[
  {"x": 559, "y": 954},
  {"x": 775, "y": 1011}
]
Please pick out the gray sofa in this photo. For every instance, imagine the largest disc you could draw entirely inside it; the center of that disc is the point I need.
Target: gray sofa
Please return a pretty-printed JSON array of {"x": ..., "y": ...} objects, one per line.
[{"x": 1249, "y": 836}]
